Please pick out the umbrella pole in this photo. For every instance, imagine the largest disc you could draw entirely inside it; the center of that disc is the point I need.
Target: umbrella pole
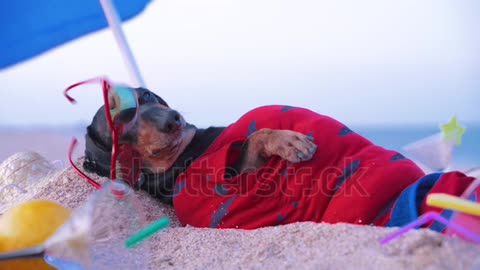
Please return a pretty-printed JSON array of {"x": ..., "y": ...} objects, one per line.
[{"x": 115, "y": 25}]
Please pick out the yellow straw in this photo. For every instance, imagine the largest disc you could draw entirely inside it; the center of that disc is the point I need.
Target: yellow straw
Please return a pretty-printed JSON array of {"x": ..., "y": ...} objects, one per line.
[{"x": 455, "y": 203}]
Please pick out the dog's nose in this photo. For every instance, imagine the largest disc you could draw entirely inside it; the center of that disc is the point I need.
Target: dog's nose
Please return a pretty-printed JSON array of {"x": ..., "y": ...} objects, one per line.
[
  {"x": 166, "y": 121},
  {"x": 173, "y": 122}
]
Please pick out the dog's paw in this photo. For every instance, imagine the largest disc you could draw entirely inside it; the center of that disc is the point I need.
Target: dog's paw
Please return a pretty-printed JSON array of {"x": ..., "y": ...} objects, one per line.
[{"x": 292, "y": 146}]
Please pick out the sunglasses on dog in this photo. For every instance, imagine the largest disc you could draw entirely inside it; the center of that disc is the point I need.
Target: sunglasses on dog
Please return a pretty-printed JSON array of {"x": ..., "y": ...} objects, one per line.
[{"x": 121, "y": 110}]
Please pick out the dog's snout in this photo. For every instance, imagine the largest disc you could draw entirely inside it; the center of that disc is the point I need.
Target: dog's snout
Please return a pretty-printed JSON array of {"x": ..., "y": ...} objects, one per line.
[
  {"x": 173, "y": 122},
  {"x": 166, "y": 121}
]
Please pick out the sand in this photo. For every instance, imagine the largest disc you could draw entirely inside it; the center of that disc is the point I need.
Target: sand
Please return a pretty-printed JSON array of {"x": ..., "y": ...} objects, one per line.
[{"x": 295, "y": 246}]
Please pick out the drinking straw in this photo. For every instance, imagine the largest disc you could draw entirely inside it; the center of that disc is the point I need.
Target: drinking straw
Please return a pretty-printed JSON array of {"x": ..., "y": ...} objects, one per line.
[
  {"x": 455, "y": 203},
  {"x": 427, "y": 217},
  {"x": 148, "y": 231}
]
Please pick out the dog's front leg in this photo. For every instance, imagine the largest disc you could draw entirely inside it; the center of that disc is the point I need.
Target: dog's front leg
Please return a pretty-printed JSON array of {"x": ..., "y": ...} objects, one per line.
[{"x": 265, "y": 143}]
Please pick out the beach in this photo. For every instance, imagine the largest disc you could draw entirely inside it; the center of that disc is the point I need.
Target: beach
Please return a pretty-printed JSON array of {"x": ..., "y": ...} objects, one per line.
[
  {"x": 304, "y": 245},
  {"x": 393, "y": 72}
]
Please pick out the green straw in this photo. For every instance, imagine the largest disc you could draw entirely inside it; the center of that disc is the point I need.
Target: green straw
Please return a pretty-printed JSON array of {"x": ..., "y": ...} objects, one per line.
[{"x": 148, "y": 231}]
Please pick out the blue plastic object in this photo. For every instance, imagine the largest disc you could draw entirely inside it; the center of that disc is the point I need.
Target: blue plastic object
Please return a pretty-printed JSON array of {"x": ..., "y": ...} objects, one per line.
[
  {"x": 31, "y": 27},
  {"x": 61, "y": 264}
]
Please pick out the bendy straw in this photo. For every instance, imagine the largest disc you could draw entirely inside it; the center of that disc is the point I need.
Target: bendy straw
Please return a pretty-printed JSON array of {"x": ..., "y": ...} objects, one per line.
[
  {"x": 427, "y": 217},
  {"x": 446, "y": 201},
  {"x": 148, "y": 231}
]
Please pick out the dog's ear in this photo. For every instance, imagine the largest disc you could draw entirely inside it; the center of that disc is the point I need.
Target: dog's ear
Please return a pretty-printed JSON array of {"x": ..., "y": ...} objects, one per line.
[
  {"x": 146, "y": 96},
  {"x": 98, "y": 145},
  {"x": 97, "y": 155}
]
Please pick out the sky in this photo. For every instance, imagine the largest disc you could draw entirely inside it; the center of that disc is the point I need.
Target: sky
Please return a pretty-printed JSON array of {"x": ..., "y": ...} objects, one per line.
[{"x": 370, "y": 62}]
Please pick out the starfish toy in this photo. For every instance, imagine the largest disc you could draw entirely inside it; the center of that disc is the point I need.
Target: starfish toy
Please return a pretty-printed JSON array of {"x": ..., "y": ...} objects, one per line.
[
  {"x": 452, "y": 131},
  {"x": 436, "y": 151}
]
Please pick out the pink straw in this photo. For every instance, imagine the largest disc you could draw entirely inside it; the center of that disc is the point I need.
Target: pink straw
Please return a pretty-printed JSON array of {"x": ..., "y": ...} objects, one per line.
[{"x": 427, "y": 217}]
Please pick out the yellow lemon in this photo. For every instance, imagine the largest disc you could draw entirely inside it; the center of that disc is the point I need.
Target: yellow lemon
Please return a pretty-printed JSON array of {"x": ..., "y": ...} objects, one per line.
[{"x": 27, "y": 225}]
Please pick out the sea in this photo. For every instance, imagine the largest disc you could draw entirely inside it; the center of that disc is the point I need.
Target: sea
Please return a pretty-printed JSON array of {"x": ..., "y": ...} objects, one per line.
[
  {"x": 466, "y": 155},
  {"x": 53, "y": 142}
]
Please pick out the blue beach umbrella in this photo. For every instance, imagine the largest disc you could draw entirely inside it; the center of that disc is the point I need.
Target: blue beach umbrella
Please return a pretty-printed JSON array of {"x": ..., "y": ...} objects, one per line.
[{"x": 29, "y": 28}]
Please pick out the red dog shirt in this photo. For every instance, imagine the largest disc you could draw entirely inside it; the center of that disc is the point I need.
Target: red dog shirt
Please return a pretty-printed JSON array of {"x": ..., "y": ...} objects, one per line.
[{"x": 349, "y": 179}]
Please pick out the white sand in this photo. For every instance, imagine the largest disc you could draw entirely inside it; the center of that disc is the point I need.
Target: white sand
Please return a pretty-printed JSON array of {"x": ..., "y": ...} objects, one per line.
[{"x": 295, "y": 246}]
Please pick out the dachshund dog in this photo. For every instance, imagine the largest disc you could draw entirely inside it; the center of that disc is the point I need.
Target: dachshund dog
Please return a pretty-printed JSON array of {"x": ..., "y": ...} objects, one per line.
[
  {"x": 248, "y": 175},
  {"x": 168, "y": 144}
]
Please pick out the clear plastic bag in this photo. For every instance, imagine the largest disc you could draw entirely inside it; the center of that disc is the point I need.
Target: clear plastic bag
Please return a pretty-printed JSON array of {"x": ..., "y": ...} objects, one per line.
[
  {"x": 95, "y": 235},
  {"x": 435, "y": 152},
  {"x": 20, "y": 173}
]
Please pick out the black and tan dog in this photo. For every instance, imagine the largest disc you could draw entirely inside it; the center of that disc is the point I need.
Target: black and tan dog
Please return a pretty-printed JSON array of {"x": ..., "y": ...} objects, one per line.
[{"x": 168, "y": 144}]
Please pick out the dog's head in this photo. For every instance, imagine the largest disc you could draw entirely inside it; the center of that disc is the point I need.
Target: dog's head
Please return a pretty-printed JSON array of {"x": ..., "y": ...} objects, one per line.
[
  {"x": 159, "y": 135},
  {"x": 98, "y": 139}
]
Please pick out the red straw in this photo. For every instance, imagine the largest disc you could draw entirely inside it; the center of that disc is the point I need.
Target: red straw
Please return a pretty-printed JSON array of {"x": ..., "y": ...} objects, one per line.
[
  {"x": 94, "y": 80},
  {"x": 113, "y": 166},
  {"x": 106, "y": 86},
  {"x": 84, "y": 176}
]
